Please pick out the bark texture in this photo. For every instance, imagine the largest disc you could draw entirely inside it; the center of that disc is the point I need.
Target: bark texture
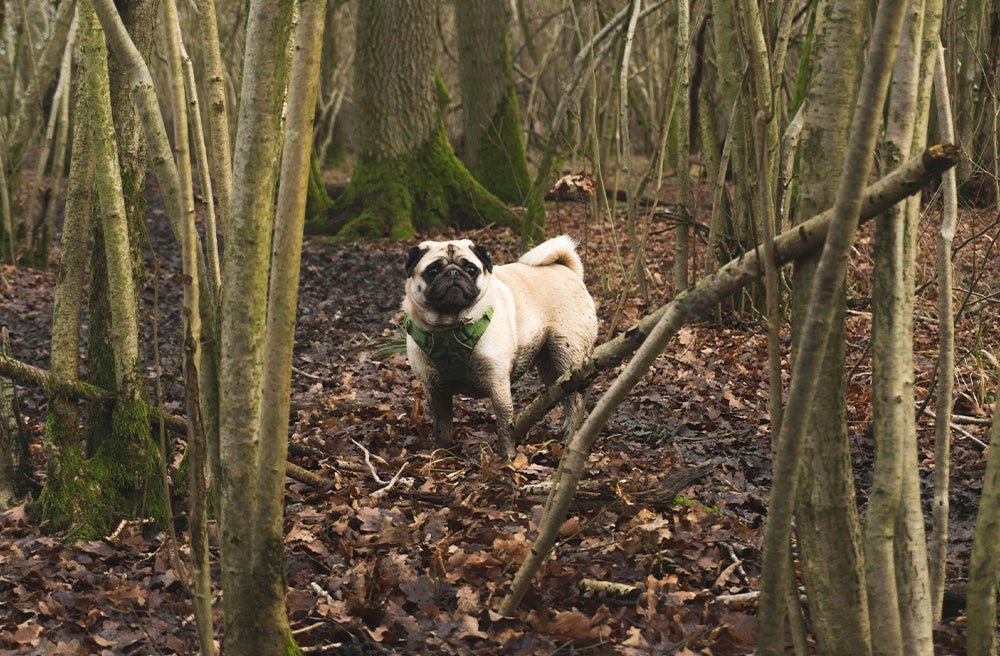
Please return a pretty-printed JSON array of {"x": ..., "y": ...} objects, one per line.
[
  {"x": 494, "y": 145},
  {"x": 984, "y": 562},
  {"x": 407, "y": 178},
  {"x": 117, "y": 479},
  {"x": 815, "y": 335},
  {"x": 255, "y": 618},
  {"x": 828, "y": 530}
]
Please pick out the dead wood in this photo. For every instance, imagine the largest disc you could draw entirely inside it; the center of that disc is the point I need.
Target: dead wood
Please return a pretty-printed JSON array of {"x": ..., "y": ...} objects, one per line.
[{"x": 706, "y": 294}]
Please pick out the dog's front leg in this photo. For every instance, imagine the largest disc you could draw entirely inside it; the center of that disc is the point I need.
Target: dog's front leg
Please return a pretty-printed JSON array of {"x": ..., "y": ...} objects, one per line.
[{"x": 441, "y": 413}]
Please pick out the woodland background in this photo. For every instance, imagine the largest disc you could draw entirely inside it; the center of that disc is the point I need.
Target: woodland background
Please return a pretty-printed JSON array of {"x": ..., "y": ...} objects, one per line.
[{"x": 210, "y": 439}]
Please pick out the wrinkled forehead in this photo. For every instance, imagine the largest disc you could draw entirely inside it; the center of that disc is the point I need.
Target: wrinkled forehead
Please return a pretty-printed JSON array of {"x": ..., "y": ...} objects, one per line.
[{"x": 448, "y": 249}]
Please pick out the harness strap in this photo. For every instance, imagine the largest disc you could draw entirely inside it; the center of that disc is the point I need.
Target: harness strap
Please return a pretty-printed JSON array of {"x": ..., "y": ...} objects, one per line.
[{"x": 449, "y": 349}]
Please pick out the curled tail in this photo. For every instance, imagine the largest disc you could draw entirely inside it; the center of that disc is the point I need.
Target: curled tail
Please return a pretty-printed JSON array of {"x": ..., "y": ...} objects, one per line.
[{"x": 558, "y": 250}]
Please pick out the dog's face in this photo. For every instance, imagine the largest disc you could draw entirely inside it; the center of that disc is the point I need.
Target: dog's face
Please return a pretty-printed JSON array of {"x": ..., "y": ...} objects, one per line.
[{"x": 447, "y": 276}]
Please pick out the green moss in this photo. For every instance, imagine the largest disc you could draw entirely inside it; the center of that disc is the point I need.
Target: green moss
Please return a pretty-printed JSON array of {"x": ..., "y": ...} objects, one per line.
[
  {"x": 422, "y": 193},
  {"x": 291, "y": 648},
  {"x": 318, "y": 202},
  {"x": 87, "y": 496},
  {"x": 441, "y": 93},
  {"x": 500, "y": 164},
  {"x": 686, "y": 502}
]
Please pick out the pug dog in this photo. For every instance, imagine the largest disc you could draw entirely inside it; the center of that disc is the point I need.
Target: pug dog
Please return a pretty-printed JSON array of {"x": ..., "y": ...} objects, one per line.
[{"x": 473, "y": 328}]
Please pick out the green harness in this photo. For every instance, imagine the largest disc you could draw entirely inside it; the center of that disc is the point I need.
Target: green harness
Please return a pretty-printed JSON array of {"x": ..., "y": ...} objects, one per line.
[{"x": 449, "y": 350}]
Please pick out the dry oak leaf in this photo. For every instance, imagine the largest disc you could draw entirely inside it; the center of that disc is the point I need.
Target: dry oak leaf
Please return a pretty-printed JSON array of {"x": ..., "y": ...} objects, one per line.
[{"x": 570, "y": 624}]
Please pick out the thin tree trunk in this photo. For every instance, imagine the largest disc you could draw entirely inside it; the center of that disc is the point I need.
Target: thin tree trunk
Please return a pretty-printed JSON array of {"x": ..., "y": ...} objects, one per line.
[
  {"x": 946, "y": 351},
  {"x": 25, "y": 118},
  {"x": 58, "y": 170},
  {"x": 15, "y": 465},
  {"x": 683, "y": 230},
  {"x": 130, "y": 414},
  {"x": 984, "y": 561},
  {"x": 827, "y": 520},
  {"x": 202, "y": 591},
  {"x": 67, "y": 306},
  {"x": 218, "y": 113},
  {"x": 283, "y": 296},
  {"x": 256, "y": 621},
  {"x": 815, "y": 334},
  {"x": 33, "y": 216},
  {"x": 751, "y": 32}
]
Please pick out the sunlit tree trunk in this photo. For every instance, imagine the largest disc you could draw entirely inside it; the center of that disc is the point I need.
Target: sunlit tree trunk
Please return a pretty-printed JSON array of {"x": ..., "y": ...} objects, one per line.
[
  {"x": 828, "y": 530},
  {"x": 407, "y": 178},
  {"x": 253, "y": 588}
]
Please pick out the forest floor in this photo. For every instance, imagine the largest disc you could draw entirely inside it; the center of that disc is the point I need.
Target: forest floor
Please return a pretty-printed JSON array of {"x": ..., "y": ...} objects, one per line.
[{"x": 419, "y": 568}]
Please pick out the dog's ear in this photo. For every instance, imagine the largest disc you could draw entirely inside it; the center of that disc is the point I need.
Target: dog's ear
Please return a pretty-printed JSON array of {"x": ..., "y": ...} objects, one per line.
[
  {"x": 412, "y": 257},
  {"x": 484, "y": 257}
]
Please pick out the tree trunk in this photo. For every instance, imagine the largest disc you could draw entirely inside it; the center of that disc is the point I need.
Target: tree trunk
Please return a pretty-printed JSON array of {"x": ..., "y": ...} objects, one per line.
[
  {"x": 282, "y": 301},
  {"x": 984, "y": 562},
  {"x": 494, "y": 143},
  {"x": 894, "y": 536},
  {"x": 255, "y": 618},
  {"x": 62, "y": 420},
  {"x": 828, "y": 531},
  {"x": 815, "y": 334},
  {"x": 118, "y": 479},
  {"x": 15, "y": 465},
  {"x": 407, "y": 178},
  {"x": 683, "y": 230},
  {"x": 946, "y": 350}
]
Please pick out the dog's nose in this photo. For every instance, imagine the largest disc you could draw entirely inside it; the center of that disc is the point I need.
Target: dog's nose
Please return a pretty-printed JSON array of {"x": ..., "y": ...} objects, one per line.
[{"x": 453, "y": 273}]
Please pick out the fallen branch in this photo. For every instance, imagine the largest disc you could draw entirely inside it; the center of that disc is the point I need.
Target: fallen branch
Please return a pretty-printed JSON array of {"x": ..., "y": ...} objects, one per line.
[
  {"x": 710, "y": 290},
  {"x": 604, "y": 492},
  {"x": 28, "y": 375},
  {"x": 703, "y": 298},
  {"x": 303, "y": 475}
]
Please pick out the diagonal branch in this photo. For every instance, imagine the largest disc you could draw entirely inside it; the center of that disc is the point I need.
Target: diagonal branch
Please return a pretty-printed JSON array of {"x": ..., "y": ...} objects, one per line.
[{"x": 702, "y": 298}]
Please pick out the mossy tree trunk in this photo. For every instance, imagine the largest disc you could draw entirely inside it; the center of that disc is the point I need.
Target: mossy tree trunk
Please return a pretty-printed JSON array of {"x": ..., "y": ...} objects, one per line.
[
  {"x": 252, "y": 467},
  {"x": 494, "y": 143},
  {"x": 118, "y": 475},
  {"x": 832, "y": 565},
  {"x": 407, "y": 177}
]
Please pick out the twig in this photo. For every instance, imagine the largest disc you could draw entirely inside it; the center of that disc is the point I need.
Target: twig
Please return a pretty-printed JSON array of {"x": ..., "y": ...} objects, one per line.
[
  {"x": 955, "y": 427},
  {"x": 306, "y": 374},
  {"x": 368, "y": 461},
  {"x": 386, "y": 485}
]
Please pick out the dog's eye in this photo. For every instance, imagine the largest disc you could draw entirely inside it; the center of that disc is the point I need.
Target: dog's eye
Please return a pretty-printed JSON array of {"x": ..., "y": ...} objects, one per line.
[
  {"x": 433, "y": 269},
  {"x": 471, "y": 269}
]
